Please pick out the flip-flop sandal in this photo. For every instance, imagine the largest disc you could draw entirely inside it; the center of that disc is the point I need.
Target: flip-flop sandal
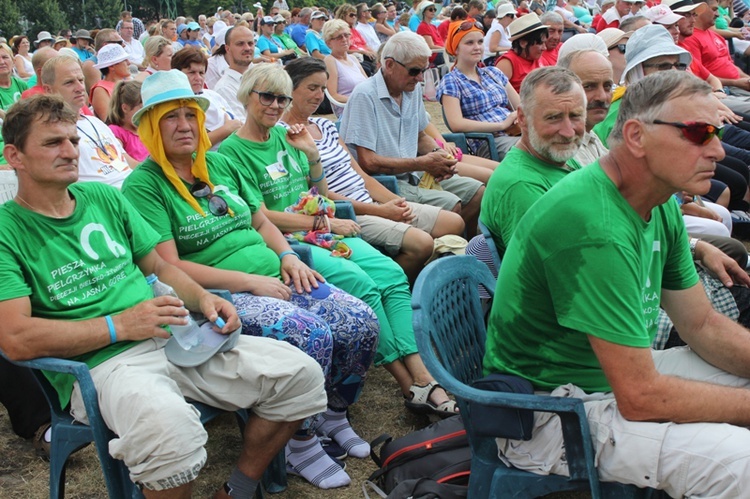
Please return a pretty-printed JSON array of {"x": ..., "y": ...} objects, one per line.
[{"x": 421, "y": 404}]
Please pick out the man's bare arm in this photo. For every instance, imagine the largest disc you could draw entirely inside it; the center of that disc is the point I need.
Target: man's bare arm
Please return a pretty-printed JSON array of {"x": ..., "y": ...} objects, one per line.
[{"x": 643, "y": 394}]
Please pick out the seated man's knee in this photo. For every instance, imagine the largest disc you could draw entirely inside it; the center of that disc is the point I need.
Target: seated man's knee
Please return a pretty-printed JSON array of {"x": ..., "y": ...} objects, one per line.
[{"x": 448, "y": 223}]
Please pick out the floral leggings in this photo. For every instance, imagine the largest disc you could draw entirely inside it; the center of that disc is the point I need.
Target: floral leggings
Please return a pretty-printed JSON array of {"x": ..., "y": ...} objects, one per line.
[{"x": 336, "y": 329}]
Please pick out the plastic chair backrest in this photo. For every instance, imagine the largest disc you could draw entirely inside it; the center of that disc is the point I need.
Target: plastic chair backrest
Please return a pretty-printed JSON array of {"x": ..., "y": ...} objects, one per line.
[{"x": 8, "y": 185}]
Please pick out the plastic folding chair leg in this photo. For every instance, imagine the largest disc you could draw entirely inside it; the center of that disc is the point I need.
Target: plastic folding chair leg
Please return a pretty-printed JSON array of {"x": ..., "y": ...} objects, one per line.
[{"x": 274, "y": 478}]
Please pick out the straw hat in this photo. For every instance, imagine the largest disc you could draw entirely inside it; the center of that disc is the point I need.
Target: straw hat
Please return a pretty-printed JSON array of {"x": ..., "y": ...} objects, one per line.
[
  {"x": 684, "y": 6},
  {"x": 612, "y": 36},
  {"x": 165, "y": 86},
  {"x": 525, "y": 25}
]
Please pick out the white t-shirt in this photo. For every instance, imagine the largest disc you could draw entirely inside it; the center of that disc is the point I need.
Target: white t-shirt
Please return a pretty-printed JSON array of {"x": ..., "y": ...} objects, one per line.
[
  {"x": 101, "y": 157},
  {"x": 217, "y": 66},
  {"x": 369, "y": 34},
  {"x": 227, "y": 87},
  {"x": 216, "y": 112},
  {"x": 504, "y": 38},
  {"x": 135, "y": 51}
]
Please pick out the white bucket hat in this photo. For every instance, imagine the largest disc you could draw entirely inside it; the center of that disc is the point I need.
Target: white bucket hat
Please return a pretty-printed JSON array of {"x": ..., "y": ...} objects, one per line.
[
  {"x": 109, "y": 55},
  {"x": 652, "y": 40}
]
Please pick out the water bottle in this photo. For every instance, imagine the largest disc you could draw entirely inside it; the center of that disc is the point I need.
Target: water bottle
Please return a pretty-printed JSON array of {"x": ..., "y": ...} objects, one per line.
[{"x": 189, "y": 335}]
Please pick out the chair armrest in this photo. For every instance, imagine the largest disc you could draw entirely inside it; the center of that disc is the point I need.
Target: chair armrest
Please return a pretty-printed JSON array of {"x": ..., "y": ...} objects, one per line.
[
  {"x": 344, "y": 209},
  {"x": 390, "y": 182},
  {"x": 490, "y": 139}
]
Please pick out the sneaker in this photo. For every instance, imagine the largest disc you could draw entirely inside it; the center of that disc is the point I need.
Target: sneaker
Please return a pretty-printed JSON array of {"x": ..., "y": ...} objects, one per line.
[{"x": 333, "y": 449}]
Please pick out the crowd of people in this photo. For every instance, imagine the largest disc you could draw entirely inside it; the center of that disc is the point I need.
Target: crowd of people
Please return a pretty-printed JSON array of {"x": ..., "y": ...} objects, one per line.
[{"x": 199, "y": 151}]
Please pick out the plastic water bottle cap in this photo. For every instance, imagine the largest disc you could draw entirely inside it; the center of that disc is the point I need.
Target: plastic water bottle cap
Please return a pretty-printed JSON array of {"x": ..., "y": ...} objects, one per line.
[{"x": 220, "y": 322}]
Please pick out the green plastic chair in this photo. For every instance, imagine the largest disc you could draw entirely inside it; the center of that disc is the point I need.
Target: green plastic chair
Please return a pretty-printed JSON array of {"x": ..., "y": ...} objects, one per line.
[{"x": 451, "y": 334}]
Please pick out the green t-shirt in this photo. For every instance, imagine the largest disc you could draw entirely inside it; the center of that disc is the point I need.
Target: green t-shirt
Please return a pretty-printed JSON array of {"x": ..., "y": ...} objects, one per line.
[
  {"x": 8, "y": 97},
  {"x": 519, "y": 181},
  {"x": 225, "y": 242},
  {"x": 578, "y": 268},
  {"x": 603, "y": 129},
  {"x": 276, "y": 169},
  {"x": 79, "y": 267}
]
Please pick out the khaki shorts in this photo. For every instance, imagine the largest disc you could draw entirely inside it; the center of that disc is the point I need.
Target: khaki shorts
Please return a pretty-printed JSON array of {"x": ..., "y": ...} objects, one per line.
[
  {"x": 456, "y": 190},
  {"x": 389, "y": 235},
  {"x": 160, "y": 436}
]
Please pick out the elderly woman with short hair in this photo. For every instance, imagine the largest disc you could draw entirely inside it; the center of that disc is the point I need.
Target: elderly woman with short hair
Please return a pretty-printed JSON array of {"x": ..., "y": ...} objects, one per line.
[
  {"x": 282, "y": 166},
  {"x": 344, "y": 70}
]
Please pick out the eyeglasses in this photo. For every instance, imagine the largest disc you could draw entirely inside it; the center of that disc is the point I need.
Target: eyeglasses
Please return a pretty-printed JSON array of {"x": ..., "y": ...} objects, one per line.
[
  {"x": 412, "y": 71},
  {"x": 341, "y": 37},
  {"x": 118, "y": 42},
  {"x": 352, "y": 14},
  {"x": 217, "y": 205},
  {"x": 512, "y": 16},
  {"x": 267, "y": 98},
  {"x": 430, "y": 9},
  {"x": 666, "y": 66},
  {"x": 621, "y": 47},
  {"x": 696, "y": 132}
]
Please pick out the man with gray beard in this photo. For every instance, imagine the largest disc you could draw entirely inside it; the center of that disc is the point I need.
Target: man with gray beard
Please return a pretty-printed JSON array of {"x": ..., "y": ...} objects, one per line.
[{"x": 552, "y": 117}]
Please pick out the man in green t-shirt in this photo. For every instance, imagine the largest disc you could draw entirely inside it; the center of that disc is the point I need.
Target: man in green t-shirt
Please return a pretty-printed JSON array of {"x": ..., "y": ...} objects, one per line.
[
  {"x": 578, "y": 294},
  {"x": 72, "y": 262},
  {"x": 552, "y": 117}
]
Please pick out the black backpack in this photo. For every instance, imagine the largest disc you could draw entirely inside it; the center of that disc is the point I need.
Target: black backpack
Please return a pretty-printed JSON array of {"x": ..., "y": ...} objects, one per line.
[{"x": 440, "y": 453}]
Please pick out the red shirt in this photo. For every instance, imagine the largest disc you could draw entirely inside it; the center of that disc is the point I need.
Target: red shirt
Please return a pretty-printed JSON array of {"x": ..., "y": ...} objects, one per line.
[
  {"x": 549, "y": 57},
  {"x": 37, "y": 89},
  {"x": 710, "y": 50},
  {"x": 356, "y": 42},
  {"x": 426, "y": 29},
  {"x": 521, "y": 68},
  {"x": 600, "y": 24},
  {"x": 443, "y": 29}
]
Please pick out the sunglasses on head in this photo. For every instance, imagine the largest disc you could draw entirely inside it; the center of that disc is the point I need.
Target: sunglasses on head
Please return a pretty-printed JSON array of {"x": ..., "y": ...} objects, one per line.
[
  {"x": 666, "y": 66},
  {"x": 217, "y": 205},
  {"x": 467, "y": 25},
  {"x": 412, "y": 71},
  {"x": 267, "y": 98},
  {"x": 696, "y": 132}
]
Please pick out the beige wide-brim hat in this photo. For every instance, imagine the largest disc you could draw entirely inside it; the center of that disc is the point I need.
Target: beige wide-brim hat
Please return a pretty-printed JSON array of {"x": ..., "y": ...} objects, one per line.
[
  {"x": 43, "y": 36},
  {"x": 684, "y": 6},
  {"x": 612, "y": 36},
  {"x": 525, "y": 25}
]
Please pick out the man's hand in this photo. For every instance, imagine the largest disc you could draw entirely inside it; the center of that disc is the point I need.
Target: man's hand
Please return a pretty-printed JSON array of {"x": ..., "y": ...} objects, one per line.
[
  {"x": 213, "y": 307},
  {"x": 726, "y": 269},
  {"x": 146, "y": 319},
  {"x": 441, "y": 165},
  {"x": 295, "y": 272},
  {"x": 695, "y": 210},
  {"x": 397, "y": 210}
]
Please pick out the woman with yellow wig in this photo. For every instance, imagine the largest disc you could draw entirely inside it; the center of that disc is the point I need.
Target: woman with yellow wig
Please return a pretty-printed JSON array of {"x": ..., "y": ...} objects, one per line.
[{"x": 212, "y": 228}]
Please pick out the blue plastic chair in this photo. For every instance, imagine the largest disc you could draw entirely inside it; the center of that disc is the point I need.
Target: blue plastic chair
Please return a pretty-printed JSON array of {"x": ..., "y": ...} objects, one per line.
[
  {"x": 451, "y": 335},
  {"x": 460, "y": 139},
  {"x": 69, "y": 435}
]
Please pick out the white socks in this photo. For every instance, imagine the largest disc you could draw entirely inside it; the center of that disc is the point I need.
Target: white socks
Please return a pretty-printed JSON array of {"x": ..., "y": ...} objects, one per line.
[
  {"x": 335, "y": 425},
  {"x": 307, "y": 459}
]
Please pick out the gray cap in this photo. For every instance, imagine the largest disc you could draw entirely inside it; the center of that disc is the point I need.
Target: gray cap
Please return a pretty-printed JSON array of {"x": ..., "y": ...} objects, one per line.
[
  {"x": 210, "y": 344},
  {"x": 652, "y": 40}
]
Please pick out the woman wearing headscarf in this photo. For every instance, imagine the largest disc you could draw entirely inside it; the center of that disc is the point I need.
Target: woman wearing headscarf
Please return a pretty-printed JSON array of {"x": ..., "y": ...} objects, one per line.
[
  {"x": 476, "y": 99},
  {"x": 212, "y": 228}
]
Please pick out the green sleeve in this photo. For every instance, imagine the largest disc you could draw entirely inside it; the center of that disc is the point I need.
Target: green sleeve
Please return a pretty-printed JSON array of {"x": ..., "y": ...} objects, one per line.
[{"x": 140, "y": 188}]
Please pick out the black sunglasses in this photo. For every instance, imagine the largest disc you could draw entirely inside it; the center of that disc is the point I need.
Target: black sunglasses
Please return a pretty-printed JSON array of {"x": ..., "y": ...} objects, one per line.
[
  {"x": 267, "y": 98},
  {"x": 412, "y": 71},
  {"x": 217, "y": 205},
  {"x": 696, "y": 132},
  {"x": 666, "y": 66},
  {"x": 621, "y": 47}
]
